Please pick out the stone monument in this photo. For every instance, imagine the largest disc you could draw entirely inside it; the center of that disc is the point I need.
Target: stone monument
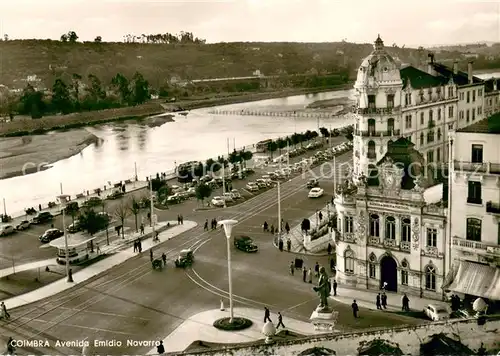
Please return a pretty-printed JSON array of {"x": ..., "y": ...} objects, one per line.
[{"x": 324, "y": 317}]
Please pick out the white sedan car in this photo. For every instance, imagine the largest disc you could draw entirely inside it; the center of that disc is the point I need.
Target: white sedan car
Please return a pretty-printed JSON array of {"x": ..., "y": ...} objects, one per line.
[
  {"x": 6, "y": 230},
  {"x": 436, "y": 312},
  {"x": 218, "y": 201},
  {"x": 316, "y": 192}
]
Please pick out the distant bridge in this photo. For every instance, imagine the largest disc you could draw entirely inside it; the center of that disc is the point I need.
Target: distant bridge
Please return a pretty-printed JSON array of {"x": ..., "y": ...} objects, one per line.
[{"x": 300, "y": 114}]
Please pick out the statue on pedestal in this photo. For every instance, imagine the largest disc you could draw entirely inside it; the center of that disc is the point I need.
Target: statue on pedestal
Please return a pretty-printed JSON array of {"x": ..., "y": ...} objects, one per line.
[{"x": 323, "y": 289}]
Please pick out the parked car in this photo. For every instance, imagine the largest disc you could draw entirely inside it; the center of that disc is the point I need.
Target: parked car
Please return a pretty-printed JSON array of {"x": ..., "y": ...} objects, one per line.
[
  {"x": 50, "y": 234},
  {"x": 92, "y": 202},
  {"x": 245, "y": 243},
  {"x": 42, "y": 217},
  {"x": 252, "y": 187},
  {"x": 235, "y": 194},
  {"x": 191, "y": 192},
  {"x": 312, "y": 183},
  {"x": 217, "y": 201},
  {"x": 228, "y": 197},
  {"x": 23, "y": 225},
  {"x": 436, "y": 312},
  {"x": 316, "y": 193},
  {"x": 261, "y": 183},
  {"x": 74, "y": 227},
  {"x": 185, "y": 258},
  {"x": 72, "y": 206},
  {"x": 6, "y": 230},
  {"x": 115, "y": 195},
  {"x": 173, "y": 199}
]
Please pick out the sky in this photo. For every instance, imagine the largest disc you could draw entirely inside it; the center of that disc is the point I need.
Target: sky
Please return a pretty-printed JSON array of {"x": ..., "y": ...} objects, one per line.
[{"x": 404, "y": 22}]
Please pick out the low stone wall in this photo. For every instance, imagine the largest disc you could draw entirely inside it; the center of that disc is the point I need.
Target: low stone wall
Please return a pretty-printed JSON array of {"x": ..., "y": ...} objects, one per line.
[
  {"x": 320, "y": 244},
  {"x": 408, "y": 339}
]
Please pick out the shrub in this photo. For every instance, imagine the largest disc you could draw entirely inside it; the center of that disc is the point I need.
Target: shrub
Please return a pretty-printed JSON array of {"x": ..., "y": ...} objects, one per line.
[{"x": 237, "y": 324}]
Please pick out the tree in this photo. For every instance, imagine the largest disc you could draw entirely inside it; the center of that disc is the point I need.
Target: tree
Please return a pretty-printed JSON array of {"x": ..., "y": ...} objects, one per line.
[
  {"x": 121, "y": 85},
  {"x": 76, "y": 79},
  {"x": 72, "y": 210},
  {"x": 140, "y": 89},
  {"x": 98, "y": 39},
  {"x": 135, "y": 208},
  {"x": 72, "y": 36},
  {"x": 95, "y": 90},
  {"x": 272, "y": 147},
  {"x": 61, "y": 101},
  {"x": 64, "y": 38},
  {"x": 122, "y": 212},
  {"x": 163, "y": 193},
  {"x": 203, "y": 191},
  {"x": 32, "y": 102},
  {"x": 92, "y": 222},
  {"x": 324, "y": 131}
]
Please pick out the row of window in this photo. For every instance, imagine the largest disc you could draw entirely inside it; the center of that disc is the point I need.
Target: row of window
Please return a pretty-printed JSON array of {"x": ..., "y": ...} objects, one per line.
[
  {"x": 431, "y": 135},
  {"x": 473, "y": 230},
  {"x": 471, "y": 94},
  {"x": 421, "y": 94},
  {"x": 372, "y": 102},
  {"x": 409, "y": 118},
  {"x": 470, "y": 114},
  {"x": 372, "y": 152},
  {"x": 429, "y": 271}
]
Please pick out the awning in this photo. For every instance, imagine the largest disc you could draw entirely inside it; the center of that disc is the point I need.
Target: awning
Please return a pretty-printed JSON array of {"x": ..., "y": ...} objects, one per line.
[
  {"x": 477, "y": 279},
  {"x": 450, "y": 277}
]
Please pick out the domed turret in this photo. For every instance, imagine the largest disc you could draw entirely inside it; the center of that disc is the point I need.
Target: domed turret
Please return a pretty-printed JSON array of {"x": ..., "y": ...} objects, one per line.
[{"x": 378, "y": 68}]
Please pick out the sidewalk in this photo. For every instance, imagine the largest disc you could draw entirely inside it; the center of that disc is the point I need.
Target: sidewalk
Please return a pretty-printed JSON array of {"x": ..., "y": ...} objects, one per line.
[
  {"x": 200, "y": 327},
  {"x": 100, "y": 266},
  {"x": 297, "y": 236},
  {"x": 27, "y": 266},
  {"x": 366, "y": 299},
  {"x": 18, "y": 216}
]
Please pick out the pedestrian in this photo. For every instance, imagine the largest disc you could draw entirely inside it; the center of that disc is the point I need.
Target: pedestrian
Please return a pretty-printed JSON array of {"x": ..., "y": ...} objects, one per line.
[
  {"x": 384, "y": 286},
  {"x": 98, "y": 250},
  {"x": 316, "y": 269},
  {"x": 280, "y": 321},
  {"x": 280, "y": 244},
  {"x": 142, "y": 229},
  {"x": 287, "y": 228},
  {"x": 384, "y": 300},
  {"x": 406, "y": 303},
  {"x": 5, "y": 313},
  {"x": 139, "y": 245},
  {"x": 160, "y": 349},
  {"x": 332, "y": 265},
  {"x": 10, "y": 346},
  {"x": 292, "y": 268},
  {"x": 288, "y": 244},
  {"x": 272, "y": 229},
  {"x": 265, "y": 227},
  {"x": 304, "y": 273},
  {"x": 320, "y": 215},
  {"x": 151, "y": 255},
  {"x": 355, "y": 308},
  {"x": 267, "y": 315},
  {"x": 136, "y": 246},
  {"x": 309, "y": 276},
  {"x": 157, "y": 236},
  {"x": 377, "y": 302},
  {"x": 205, "y": 228},
  {"x": 182, "y": 220},
  {"x": 329, "y": 248},
  {"x": 334, "y": 287},
  {"x": 164, "y": 258},
  {"x": 178, "y": 219}
]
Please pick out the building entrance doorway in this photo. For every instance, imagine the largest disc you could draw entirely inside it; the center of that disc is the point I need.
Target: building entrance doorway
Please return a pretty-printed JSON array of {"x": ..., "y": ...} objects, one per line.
[{"x": 389, "y": 273}]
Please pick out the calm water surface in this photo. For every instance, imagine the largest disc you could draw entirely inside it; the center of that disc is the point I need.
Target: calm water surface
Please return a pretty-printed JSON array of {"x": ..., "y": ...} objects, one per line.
[{"x": 197, "y": 136}]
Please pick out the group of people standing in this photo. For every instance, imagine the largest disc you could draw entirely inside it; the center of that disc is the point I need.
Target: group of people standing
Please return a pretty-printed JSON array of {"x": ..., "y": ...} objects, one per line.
[
  {"x": 180, "y": 219},
  {"x": 272, "y": 229},
  {"x": 138, "y": 245},
  {"x": 213, "y": 224}
]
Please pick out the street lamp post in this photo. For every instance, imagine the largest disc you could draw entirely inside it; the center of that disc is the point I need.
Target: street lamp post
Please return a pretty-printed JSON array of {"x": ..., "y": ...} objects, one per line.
[
  {"x": 224, "y": 182},
  {"x": 228, "y": 228},
  {"x": 152, "y": 206},
  {"x": 279, "y": 206},
  {"x": 63, "y": 198}
]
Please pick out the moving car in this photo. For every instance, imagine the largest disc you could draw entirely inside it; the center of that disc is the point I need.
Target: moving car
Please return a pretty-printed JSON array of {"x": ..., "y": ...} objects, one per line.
[
  {"x": 217, "y": 201},
  {"x": 50, "y": 234},
  {"x": 23, "y": 225},
  {"x": 245, "y": 243},
  {"x": 312, "y": 183},
  {"x": 316, "y": 193},
  {"x": 252, "y": 187},
  {"x": 6, "y": 230},
  {"x": 185, "y": 258},
  {"x": 115, "y": 195},
  {"x": 42, "y": 217},
  {"x": 436, "y": 312}
]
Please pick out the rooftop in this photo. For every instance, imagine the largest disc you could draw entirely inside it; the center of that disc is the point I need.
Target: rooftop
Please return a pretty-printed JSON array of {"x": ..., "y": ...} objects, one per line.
[
  {"x": 419, "y": 79},
  {"x": 490, "y": 125},
  {"x": 490, "y": 85},
  {"x": 461, "y": 78},
  {"x": 74, "y": 240}
]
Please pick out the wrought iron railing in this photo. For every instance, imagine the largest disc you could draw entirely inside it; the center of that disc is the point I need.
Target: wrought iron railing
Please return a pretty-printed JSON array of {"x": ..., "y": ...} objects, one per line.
[
  {"x": 378, "y": 111},
  {"x": 477, "y": 167},
  {"x": 493, "y": 208},
  {"x": 379, "y": 133}
]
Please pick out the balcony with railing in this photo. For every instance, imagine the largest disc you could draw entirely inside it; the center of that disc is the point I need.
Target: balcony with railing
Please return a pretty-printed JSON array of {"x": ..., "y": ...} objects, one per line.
[
  {"x": 378, "y": 111},
  {"x": 477, "y": 167},
  {"x": 492, "y": 208},
  {"x": 405, "y": 246},
  {"x": 378, "y": 133},
  {"x": 476, "y": 246},
  {"x": 391, "y": 244}
]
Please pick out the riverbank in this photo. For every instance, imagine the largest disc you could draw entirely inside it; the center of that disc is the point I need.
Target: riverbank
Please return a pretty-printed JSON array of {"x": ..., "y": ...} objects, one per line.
[
  {"x": 345, "y": 104},
  {"x": 30, "y": 154},
  {"x": 27, "y": 126}
]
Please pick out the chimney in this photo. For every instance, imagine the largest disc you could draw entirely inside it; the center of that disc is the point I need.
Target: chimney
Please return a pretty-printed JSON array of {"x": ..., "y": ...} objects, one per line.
[
  {"x": 430, "y": 63},
  {"x": 469, "y": 72},
  {"x": 455, "y": 67}
]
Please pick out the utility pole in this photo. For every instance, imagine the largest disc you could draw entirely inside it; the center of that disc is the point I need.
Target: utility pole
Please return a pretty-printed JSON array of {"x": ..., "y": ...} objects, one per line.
[{"x": 279, "y": 206}]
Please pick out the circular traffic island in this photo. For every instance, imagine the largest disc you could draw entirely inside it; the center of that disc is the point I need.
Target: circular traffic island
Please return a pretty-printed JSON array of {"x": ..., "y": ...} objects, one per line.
[{"x": 237, "y": 324}]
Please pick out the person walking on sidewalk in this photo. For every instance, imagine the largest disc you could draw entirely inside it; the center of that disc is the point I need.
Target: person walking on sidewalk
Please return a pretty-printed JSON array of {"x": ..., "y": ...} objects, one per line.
[
  {"x": 182, "y": 220},
  {"x": 4, "y": 311},
  {"x": 139, "y": 246},
  {"x": 267, "y": 315},
  {"x": 377, "y": 302},
  {"x": 334, "y": 287},
  {"x": 160, "y": 349},
  {"x": 151, "y": 254},
  {"x": 320, "y": 216},
  {"x": 142, "y": 229},
  {"x": 329, "y": 248},
  {"x": 310, "y": 276},
  {"x": 280, "y": 321},
  {"x": 355, "y": 308},
  {"x": 316, "y": 269},
  {"x": 135, "y": 246},
  {"x": 406, "y": 303},
  {"x": 384, "y": 300},
  {"x": 292, "y": 268},
  {"x": 265, "y": 226},
  {"x": 287, "y": 228},
  {"x": 288, "y": 244},
  {"x": 304, "y": 273},
  {"x": 280, "y": 244},
  {"x": 164, "y": 258},
  {"x": 205, "y": 228}
]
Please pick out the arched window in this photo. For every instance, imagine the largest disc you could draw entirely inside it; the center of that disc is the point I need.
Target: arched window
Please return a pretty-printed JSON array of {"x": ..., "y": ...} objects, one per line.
[
  {"x": 390, "y": 228},
  {"x": 371, "y": 150},
  {"x": 405, "y": 230},
  {"x": 421, "y": 138},
  {"x": 430, "y": 278},
  {"x": 390, "y": 125},
  {"x": 372, "y": 269},
  {"x": 349, "y": 261},
  {"x": 430, "y": 136},
  {"x": 371, "y": 127},
  {"x": 374, "y": 225},
  {"x": 404, "y": 272},
  {"x": 439, "y": 114},
  {"x": 473, "y": 229},
  {"x": 439, "y": 134}
]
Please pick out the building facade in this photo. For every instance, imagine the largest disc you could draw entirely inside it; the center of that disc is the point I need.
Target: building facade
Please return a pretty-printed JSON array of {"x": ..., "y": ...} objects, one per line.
[
  {"x": 491, "y": 97},
  {"x": 475, "y": 211}
]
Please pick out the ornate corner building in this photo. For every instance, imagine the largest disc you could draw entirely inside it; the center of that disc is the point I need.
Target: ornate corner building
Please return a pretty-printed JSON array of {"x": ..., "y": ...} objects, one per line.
[{"x": 392, "y": 217}]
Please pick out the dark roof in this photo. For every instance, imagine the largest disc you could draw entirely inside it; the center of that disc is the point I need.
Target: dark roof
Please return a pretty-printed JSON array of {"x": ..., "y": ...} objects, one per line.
[
  {"x": 489, "y": 85},
  {"x": 420, "y": 79},
  {"x": 443, "y": 345},
  {"x": 490, "y": 125},
  {"x": 461, "y": 78}
]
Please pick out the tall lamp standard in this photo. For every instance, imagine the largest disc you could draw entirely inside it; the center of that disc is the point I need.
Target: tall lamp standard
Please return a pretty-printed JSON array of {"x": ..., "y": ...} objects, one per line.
[
  {"x": 228, "y": 228},
  {"x": 153, "y": 216},
  {"x": 63, "y": 199}
]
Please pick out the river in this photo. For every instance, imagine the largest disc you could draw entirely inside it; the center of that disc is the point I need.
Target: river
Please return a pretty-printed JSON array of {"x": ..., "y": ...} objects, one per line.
[{"x": 197, "y": 136}]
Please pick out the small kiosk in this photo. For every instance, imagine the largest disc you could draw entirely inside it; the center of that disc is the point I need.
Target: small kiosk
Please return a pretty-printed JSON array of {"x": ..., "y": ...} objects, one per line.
[{"x": 81, "y": 247}]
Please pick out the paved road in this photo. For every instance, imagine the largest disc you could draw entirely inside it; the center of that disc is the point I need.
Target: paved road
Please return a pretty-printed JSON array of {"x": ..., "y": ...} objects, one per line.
[{"x": 134, "y": 302}]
